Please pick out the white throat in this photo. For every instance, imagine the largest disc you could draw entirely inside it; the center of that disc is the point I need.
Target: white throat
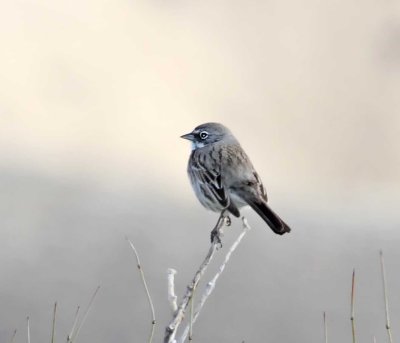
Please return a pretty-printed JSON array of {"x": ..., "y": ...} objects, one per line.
[{"x": 197, "y": 145}]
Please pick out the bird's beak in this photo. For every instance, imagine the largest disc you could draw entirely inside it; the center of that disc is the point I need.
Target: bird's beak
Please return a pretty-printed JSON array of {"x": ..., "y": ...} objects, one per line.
[{"x": 189, "y": 136}]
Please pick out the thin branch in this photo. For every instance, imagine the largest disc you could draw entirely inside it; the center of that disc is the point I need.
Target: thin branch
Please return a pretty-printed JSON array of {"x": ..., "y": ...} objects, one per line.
[
  {"x": 191, "y": 317},
  {"x": 54, "y": 323},
  {"x": 28, "y": 329},
  {"x": 171, "y": 330},
  {"x": 139, "y": 266},
  {"x": 85, "y": 314},
  {"x": 325, "y": 328},
  {"x": 353, "y": 327},
  {"x": 388, "y": 328},
  {"x": 69, "y": 337},
  {"x": 374, "y": 339},
  {"x": 172, "y": 298},
  {"x": 211, "y": 285},
  {"x": 13, "y": 336}
]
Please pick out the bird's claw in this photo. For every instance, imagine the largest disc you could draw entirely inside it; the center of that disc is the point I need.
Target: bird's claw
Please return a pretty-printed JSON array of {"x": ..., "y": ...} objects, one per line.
[{"x": 216, "y": 237}]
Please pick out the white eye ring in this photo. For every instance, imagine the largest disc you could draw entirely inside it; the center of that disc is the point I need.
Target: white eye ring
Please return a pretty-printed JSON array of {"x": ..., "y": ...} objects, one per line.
[{"x": 203, "y": 134}]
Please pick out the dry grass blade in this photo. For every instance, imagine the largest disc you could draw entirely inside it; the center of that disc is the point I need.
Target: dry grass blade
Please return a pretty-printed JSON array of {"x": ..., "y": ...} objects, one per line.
[
  {"x": 74, "y": 336},
  {"x": 69, "y": 337},
  {"x": 28, "y": 329},
  {"x": 353, "y": 327},
  {"x": 139, "y": 266},
  {"x": 53, "y": 329},
  {"x": 388, "y": 328},
  {"x": 325, "y": 328},
  {"x": 13, "y": 336}
]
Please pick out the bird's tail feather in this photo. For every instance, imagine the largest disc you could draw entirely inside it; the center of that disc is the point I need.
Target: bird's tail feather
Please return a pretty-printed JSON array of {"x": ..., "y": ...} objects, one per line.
[{"x": 270, "y": 217}]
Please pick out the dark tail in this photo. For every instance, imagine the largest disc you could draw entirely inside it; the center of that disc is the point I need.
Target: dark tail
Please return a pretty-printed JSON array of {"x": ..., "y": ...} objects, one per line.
[{"x": 270, "y": 217}]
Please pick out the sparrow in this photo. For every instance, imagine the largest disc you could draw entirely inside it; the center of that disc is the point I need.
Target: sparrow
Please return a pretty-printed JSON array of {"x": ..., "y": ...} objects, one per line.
[{"x": 223, "y": 177}]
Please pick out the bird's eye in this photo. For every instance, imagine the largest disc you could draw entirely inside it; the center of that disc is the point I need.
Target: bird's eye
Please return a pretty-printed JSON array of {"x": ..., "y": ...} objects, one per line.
[{"x": 203, "y": 134}]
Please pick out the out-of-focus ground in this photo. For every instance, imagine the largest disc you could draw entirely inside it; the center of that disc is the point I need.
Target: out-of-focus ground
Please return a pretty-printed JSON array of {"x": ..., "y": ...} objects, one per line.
[{"x": 93, "y": 99}]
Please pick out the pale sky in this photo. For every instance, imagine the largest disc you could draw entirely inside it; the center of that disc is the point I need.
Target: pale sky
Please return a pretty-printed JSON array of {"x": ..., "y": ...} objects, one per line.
[{"x": 97, "y": 87}]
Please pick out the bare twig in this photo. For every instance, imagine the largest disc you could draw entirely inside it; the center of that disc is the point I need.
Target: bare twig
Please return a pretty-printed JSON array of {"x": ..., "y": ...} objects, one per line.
[
  {"x": 388, "y": 328},
  {"x": 139, "y": 266},
  {"x": 171, "y": 330},
  {"x": 325, "y": 328},
  {"x": 75, "y": 335},
  {"x": 353, "y": 327},
  {"x": 191, "y": 317},
  {"x": 172, "y": 298},
  {"x": 13, "y": 336},
  {"x": 69, "y": 337},
  {"x": 211, "y": 285},
  {"x": 54, "y": 323},
  {"x": 28, "y": 329},
  {"x": 374, "y": 339}
]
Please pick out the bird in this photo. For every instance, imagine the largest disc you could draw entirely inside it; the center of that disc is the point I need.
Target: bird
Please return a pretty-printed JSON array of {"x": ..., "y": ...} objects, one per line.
[{"x": 223, "y": 177}]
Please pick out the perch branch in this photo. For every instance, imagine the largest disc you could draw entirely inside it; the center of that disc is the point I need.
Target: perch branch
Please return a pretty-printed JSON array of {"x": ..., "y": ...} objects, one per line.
[
  {"x": 171, "y": 330},
  {"x": 211, "y": 285},
  {"x": 139, "y": 266}
]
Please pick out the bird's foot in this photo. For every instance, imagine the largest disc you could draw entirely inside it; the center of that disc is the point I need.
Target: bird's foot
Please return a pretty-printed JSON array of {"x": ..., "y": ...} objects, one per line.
[
  {"x": 216, "y": 237},
  {"x": 216, "y": 233}
]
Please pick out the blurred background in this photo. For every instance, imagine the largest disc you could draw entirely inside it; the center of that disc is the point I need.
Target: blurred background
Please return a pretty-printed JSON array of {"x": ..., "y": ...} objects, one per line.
[{"x": 93, "y": 98}]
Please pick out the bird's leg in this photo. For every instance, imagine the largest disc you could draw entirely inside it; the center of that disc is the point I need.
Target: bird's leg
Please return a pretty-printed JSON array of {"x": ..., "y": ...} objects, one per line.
[{"x": 216, "y": 232}]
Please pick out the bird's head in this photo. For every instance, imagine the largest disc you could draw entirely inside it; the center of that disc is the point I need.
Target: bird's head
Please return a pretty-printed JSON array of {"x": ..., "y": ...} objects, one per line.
[{"x": 206, "y": 134}]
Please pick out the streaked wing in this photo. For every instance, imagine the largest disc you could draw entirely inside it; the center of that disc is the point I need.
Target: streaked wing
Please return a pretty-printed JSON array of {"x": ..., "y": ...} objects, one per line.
[
  {"x": 205, "y": 172},
  {"x": 243, "y": 177},
  {"x": 209, "y": 181}
]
